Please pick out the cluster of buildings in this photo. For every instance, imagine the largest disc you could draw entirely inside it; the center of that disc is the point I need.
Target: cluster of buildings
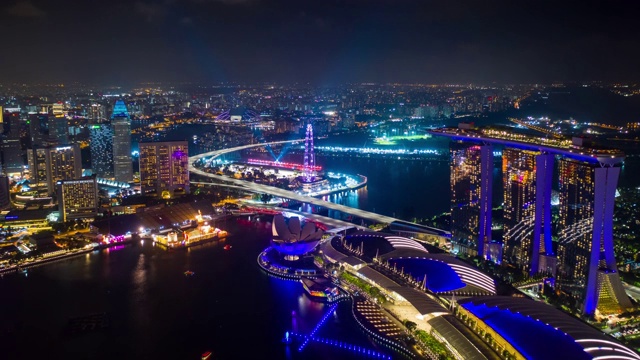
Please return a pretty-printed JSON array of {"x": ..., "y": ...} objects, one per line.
[
  {"x": 578, "y": 255},
  {"x": 56, "y": 171}
]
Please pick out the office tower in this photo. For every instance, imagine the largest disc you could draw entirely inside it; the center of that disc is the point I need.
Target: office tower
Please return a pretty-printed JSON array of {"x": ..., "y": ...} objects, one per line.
[
  {"x": 4, "y": 193},
  {"x": 63, "y": 163},
  {"x": 77, "y": 198},
  {"x": 465, "y": 189},
  {"x": 471, "y": 181},
  {"x": 10, "y": 145},
  {"x": 57, "y": 109},
  {"x": 101, "y": 148},
  {"x": 96, "y": 114},
  {"x": 164, "y": 168},
  {"x": 37, "y": 160},
  {"x": 38, "y": 129},
  {"x": 519, "y": 176},
  {"x": 121, "y": 123},
  {"x": 587, "y": 264},
  {"x": 576, "y": 188},
  {"x": 58, "y": 129}
]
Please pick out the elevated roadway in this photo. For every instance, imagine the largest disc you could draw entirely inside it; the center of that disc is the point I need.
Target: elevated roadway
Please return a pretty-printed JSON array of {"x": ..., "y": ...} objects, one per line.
[{"x": 260, "y": 188}]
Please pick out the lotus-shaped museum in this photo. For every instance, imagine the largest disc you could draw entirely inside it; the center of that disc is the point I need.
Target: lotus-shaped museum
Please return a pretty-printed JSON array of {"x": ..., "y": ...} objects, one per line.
[{"x": 293, "y": 238}]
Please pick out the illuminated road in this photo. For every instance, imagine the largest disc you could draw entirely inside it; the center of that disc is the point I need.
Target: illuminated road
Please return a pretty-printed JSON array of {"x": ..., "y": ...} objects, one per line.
[
  {"x": 259, "y": 188},
  {"x": 632, "y": 291},
  {"x": 330, "y": 222}
]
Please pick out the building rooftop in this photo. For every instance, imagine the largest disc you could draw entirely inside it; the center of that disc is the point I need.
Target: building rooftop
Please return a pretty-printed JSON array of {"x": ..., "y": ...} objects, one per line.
[
  {"x": 120, "y": 110},
  {"x": 377, "y": 277},
  {"x": 557, "y": 335},
  {"x": 444, "y": 272},
  {"x": 527, "y": 142},
  {"x": 440, "y": 276},
  {"x": 419, "y": 300},
  {"x": 163, "y": 218},
  {"x": 457, "y": 340}
]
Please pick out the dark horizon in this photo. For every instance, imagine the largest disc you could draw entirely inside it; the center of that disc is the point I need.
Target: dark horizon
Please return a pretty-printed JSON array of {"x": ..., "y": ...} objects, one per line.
[{"x": 321, "y": 42}]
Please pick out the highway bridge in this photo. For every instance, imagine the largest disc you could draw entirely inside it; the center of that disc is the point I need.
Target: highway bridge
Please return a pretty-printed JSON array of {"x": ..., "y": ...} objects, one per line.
[{"x": 260, "y": 188}]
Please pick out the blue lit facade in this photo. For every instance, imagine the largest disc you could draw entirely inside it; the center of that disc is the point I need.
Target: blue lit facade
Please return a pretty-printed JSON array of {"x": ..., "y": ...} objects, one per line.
[
  {"x": 440, "y": 277},
  {"x": 291, "y": 238},
  {"x": 101, "y": 147},
  {"x": 517, "y": 329},
  {"x": 521, "y": 328}
]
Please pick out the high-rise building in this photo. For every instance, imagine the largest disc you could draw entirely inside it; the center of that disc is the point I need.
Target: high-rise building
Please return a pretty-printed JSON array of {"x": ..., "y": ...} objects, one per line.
[
  {"x": 471, "y": 178},
  {"x": 4, "y": 192},
  {"x": 37, "y": 160},
  {"x": 518, "y": 174},
  {"x": 97, "y": 114},
  {"x": 587, "y": 264},
  {"x": 10, "y": 144},
  {"x": 121, "y": 123},
  {"x": 38, "y": 124},
  {"x": 63, "y": 163},
  {"x": 164, "y": 168},
  {"x": 77, "y": 198},
  {"x": 101, "y": 148},
  {"x": 58, "y": 129},
  {"x": 57, "y": 109},
  {"x": 576, "y": 188}
]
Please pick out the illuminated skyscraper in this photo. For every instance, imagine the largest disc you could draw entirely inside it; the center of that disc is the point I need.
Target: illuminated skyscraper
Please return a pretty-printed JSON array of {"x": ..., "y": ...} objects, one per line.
[
  {"x": 164, "y": 168},
  {"x": 587, "y": 263},
  {"x": 576, "y": 188},
  {"x": 121, "y": 123},
  {"x": 37, "y": 160},
  {"x": 518, "y": 174},
  {"x": 4, "y": 192},
  {"x": 527, "y": 177},
  {"x": 588, "y": 178},
  {"x": 101, "y": 148},
  {"x": 471, "y": 180},
  {"x": 96, "y": 114},
  {"x": 10, "y": 145},
  {"x": 63, "y": 163},
  {"x": 77, "y": 198}
]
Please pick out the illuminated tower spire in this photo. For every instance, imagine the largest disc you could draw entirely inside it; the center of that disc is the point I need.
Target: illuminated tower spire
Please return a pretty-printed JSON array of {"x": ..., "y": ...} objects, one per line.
[{"x": 309, "y": 156}]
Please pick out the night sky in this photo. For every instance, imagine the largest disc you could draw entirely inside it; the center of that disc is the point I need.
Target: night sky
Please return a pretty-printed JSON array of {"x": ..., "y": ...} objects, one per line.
[{"x": 319, "y": 41}]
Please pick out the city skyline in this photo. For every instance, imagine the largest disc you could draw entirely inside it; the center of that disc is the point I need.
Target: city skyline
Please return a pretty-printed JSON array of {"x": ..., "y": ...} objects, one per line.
[
  {"x": 322, "y": 43},
  {"x": 472, "y": 215}
]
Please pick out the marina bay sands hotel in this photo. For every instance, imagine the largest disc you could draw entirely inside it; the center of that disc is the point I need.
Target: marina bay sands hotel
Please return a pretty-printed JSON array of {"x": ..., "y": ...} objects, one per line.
[{"x": 582, "y": 262}]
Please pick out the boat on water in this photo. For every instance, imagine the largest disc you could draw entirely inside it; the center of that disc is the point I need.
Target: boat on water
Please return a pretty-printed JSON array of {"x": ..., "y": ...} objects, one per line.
[
  {"x": 189, "y": 273},
  {"x": 206, "y": 355},
  {"x": 227, "y": 247}
]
